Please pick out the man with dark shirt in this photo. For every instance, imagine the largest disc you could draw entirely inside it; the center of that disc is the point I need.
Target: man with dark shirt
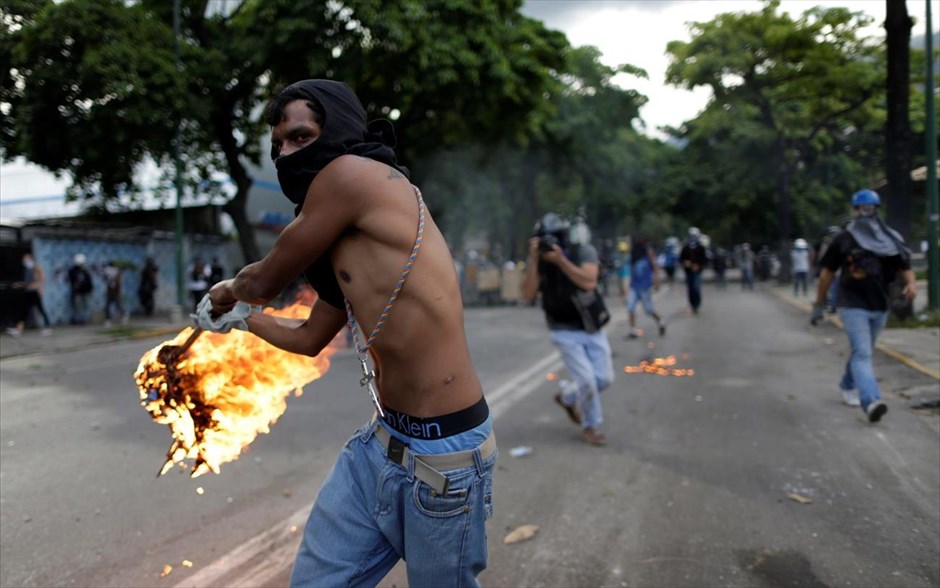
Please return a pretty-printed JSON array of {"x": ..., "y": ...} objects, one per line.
[
  {"x": 870, "y": 256},
  {"x": 693, "y": 259},
  {"x": 565, "y": 271}
]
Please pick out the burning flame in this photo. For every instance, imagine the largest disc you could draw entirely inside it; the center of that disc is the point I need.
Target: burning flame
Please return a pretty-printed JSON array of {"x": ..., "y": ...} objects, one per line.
[
  {"x": 659, "y": 366},
  {"x": 221, "y": 393}
]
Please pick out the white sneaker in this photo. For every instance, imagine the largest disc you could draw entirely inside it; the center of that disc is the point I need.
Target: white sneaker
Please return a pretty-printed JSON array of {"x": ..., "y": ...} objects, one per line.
[
  {"x": 850, "y": 398},
  {"x": 45, "y": 332},
  {"x": 13, "y": 332}
]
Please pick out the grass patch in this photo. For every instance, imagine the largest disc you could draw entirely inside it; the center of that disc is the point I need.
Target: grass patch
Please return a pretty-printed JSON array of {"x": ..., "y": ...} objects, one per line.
[
  {"x": 122, "y": 331},
  {"x": 920, "y": 320}
]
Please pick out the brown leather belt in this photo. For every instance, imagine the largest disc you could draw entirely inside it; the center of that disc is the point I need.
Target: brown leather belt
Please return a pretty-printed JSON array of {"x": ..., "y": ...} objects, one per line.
[{"x": 428, "y": 467}]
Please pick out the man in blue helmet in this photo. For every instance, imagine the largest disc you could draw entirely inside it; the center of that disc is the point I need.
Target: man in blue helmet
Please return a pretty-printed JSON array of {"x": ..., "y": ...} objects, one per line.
[
  {"x": 415, "y": 481},
  {"x": 869, "y": 256},
  {"x": 565, "y": 271}
]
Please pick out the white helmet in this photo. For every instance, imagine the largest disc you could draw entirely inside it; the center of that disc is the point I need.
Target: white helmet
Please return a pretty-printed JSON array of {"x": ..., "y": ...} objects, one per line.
[
  {"x": 800, "y": 244},
  {"x": 694, "y": 232},
  {"x": 579, "y": 233},
  {"x": 79, "y": 259}
]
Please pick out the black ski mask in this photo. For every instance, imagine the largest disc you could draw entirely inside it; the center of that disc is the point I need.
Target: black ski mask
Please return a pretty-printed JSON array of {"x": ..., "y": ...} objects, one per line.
[{"x": 343, "y": 131}]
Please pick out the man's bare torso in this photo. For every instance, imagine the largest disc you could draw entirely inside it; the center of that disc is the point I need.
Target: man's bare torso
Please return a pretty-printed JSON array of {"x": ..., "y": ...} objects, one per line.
[{"x": 422, "y": 362}]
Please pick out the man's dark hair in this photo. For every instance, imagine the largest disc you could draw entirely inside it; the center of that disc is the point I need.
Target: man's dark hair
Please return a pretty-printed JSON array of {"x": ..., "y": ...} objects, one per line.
[{"x": 274, "y": 111}]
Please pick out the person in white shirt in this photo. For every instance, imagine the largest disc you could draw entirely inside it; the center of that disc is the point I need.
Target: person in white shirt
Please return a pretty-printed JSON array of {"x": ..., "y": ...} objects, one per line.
[{"x": 800, "y": 262}]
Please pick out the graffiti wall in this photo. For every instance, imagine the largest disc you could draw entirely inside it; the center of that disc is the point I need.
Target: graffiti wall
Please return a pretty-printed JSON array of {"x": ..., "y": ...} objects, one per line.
[{"x": 56, "y": 255}]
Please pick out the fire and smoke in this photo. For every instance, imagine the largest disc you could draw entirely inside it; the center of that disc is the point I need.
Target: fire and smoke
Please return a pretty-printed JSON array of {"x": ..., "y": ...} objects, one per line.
[
  {"x": 221, "y": 392},
  {"x": 659, "y": 366}
]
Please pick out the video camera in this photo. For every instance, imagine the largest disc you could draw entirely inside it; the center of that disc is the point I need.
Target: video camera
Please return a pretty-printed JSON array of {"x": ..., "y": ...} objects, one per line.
[
  {"x": 550, "y": 232},
  {"x": 548, "y": 242}
]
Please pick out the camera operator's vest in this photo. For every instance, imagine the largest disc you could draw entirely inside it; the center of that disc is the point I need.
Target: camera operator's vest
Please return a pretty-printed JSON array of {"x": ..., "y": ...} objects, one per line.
[{"x": 557, "y": 290}]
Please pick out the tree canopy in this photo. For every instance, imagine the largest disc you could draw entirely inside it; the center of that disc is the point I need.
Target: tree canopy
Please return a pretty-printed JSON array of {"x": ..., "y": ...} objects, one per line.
[
  {"x": 500, "y": 118},
  {"x": 97, "y": 89},
  {"x": 785, "y": 91}
]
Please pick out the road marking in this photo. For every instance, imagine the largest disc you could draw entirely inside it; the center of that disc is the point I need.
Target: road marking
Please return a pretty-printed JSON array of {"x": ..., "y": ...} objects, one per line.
[
  {"x": 278, "y": 544},
  {"x": 522, "y": 384},
  {"x": 272, "y": 551}
]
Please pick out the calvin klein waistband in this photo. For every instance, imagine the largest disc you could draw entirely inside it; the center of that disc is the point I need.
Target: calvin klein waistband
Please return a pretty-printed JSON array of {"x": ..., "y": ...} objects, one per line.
[{"x": 438, "y": 427}]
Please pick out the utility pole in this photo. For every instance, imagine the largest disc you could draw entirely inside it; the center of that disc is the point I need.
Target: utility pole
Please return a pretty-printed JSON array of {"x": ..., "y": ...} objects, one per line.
[
  {"x": 177, "y": 161},
  {"x": 933, "y": 215}
]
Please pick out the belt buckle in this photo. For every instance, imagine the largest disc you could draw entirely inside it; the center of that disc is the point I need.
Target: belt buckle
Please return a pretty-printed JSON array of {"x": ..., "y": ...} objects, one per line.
[{"x": 396, "y": 450}]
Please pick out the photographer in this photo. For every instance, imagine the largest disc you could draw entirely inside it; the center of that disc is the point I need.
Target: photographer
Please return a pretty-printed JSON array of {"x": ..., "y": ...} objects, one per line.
[{"x": 565, "y": 271}]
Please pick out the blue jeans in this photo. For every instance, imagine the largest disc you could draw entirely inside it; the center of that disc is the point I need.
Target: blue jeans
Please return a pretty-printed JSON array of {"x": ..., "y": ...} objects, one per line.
[
  {"x": 747, "y": 278},
  {"x": 693, "y": 281},
  {"x": 800, "y": 282},
  {"x": 832, "y": 297},
  {"x": 644, "y": 297},
  {"x": 862, "y": 327},
  {"x": 587, "y": 358},
  {"x": 371, "y": 512}
]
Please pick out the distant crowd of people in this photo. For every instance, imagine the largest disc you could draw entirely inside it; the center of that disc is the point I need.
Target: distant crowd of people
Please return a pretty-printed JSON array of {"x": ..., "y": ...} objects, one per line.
[{"x": 82, "y": 281}]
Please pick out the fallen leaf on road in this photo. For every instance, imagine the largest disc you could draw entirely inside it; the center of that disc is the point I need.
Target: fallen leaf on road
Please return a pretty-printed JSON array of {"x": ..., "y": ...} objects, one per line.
[
  {"x": 187, "y": 563},
  {"x": 166, "y": 571},
  {"x": 521, "y": 533},
  {"x": 800, "y": 498}
]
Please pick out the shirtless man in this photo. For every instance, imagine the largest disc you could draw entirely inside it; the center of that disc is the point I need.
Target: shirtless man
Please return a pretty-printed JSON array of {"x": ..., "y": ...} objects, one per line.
[{"x": 415, "y": 483}]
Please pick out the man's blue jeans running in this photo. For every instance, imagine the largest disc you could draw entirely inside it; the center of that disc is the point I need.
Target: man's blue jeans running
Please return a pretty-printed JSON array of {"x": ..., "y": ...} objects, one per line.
[
  {"x": 371, "y": 512},
  {"x": 862, "y": 327},
  {"x": 587, "y": 358}
]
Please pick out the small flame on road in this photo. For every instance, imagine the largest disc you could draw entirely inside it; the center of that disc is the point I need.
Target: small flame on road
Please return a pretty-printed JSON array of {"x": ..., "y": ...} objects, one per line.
[
  {"x": 659, "y": 366},
  {"x": 223, "y": 391}
]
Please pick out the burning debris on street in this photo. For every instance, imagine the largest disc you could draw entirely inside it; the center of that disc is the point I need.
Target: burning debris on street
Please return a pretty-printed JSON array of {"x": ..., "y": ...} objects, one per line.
[
  {"x": 218, "y": 392},
  {"x": 659, "y": 366}
]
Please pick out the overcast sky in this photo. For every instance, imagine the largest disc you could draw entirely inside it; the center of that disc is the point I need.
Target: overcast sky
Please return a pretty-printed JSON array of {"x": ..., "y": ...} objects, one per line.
[
  {"x": 625, "y": 31},
  {"x": 637, "y": 31}
]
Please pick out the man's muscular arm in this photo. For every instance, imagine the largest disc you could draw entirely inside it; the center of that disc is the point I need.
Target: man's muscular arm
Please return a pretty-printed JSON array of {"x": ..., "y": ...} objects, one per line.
[
  {"x": 584, "y": 276},
  {"x": 332, "y": 205},
  {"x": 307, "y": 337},
  {"x": 530, "y": 284}
]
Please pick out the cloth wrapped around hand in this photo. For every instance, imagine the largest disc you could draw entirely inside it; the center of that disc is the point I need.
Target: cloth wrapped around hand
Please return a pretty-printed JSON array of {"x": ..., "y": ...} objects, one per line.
[{"x": 223, "y": 323}]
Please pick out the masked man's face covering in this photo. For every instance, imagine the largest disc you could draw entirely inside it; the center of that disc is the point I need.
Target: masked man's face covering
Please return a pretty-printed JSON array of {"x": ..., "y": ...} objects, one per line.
[{"x": 343, "y": 130}]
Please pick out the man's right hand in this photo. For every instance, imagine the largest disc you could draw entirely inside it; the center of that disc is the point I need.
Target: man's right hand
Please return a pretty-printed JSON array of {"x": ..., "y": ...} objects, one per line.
[
  {"x": 222, "y": 297},
  {"x": 819, "y": 311}
]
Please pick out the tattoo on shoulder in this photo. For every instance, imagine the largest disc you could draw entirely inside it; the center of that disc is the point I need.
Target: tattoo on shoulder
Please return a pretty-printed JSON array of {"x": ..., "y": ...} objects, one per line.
[{"x": 394, "y": 174}]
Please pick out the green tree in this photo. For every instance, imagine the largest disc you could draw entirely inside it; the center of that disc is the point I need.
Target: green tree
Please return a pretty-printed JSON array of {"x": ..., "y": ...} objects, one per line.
[
  {"x": 583, "y": 158},
  {"x": 786, "y": 81},
  {"x": 898, "y": 139},
  {"x": 102, "y": 73}
]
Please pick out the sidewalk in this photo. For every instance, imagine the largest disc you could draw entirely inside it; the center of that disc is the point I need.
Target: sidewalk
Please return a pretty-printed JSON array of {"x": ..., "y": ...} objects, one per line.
[
  {"x": 70, "y": 337},
  {"x": 919, "y": 349}
]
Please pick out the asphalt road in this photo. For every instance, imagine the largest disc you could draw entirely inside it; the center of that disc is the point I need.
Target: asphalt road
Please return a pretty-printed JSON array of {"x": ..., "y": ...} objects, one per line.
[{"x": 692, "y": 490}]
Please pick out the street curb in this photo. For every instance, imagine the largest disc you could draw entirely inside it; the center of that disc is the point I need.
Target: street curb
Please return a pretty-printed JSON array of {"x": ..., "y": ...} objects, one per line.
[
  {"x": 103, "y": 339},
  {"x": 890, "y": 351}
]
